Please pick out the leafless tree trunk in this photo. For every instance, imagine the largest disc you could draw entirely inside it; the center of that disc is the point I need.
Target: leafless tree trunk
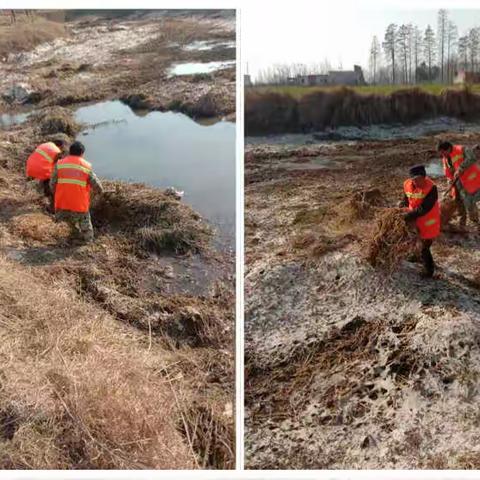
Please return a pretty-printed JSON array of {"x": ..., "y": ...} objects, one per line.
[{"x": 442, "y": 36}]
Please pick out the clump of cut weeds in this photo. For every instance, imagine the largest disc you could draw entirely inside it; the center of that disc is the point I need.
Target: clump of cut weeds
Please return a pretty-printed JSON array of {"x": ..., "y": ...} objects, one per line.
[
  {"x": 154, "y": 221},
  {"x": 391, "y": 240}
]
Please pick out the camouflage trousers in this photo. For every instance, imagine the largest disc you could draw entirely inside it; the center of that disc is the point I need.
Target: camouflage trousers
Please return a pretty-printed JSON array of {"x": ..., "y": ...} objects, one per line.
[
  {"x": 80, "y": 223},
  {"x": 470, "y": 201}
]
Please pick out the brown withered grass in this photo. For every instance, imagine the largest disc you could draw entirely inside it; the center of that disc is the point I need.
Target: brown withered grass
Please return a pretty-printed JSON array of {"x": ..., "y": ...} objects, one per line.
[{"x": 391, "y": 240}]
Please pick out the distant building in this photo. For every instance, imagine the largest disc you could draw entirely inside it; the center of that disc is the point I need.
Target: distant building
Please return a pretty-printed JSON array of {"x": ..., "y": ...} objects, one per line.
[
  {"x": 247, "y": 81},
  {"x": 464, "y": 76},
  {"x": 334, "y": 77}
]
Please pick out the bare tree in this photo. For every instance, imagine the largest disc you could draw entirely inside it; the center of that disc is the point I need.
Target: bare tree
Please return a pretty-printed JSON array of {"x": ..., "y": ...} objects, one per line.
[
  {"x": 402, "y": 38},
  {"x": 417, "y": 49},
  {"x": 429, "y": 45},
  {"x": 473, "y": 47},
  {"x": 389, "y": 46},
  {"x": 374, "y": 58},
  {"x": 410, "y": 51},
  {"x": 463, "y": 51},
  {"x": 442, "y": 38},
  {"x": 452, "y": 37}
]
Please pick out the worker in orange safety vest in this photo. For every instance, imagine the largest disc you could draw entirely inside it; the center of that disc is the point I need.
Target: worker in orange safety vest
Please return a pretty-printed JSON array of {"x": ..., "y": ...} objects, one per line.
[
  {"x": 72, "y": 181},
  {"x": 463, "y": 172},
  {"x": 421, "y": 200},
  {"x": 40, "y": 165}
]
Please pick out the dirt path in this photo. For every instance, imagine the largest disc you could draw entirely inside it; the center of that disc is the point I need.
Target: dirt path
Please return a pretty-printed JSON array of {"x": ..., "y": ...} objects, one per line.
[{"x": 347, "y": 367}]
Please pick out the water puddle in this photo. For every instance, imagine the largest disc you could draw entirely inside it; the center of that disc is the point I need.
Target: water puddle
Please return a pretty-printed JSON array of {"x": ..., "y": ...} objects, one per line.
[
  {"x": 193, "y": 68},
  {"x": 10, "y": 119},
  {"x": 429, "y": 127},
  {"x": 434, "y": 168},
  {"x": 201, "y": 45},
  {"x": 163, "y": 150}
]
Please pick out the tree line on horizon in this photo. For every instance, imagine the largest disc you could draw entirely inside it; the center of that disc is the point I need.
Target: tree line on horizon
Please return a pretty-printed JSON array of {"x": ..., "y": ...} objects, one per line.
[
  {"x": 409, "y": 55},
  {"x": 406, "y": 55}
]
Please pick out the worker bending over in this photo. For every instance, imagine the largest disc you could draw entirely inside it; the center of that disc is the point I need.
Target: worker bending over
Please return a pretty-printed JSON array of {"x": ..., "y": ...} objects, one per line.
[
  {"x": 71, "y": 183},
  {"x": 40, "y": 165},
  {"x": 463, "y": 172},
  {"x": 421, "y": 199}
]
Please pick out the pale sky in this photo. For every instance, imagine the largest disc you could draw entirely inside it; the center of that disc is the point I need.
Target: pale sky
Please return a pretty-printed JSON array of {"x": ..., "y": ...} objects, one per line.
[{"x": 339, "y": 30}]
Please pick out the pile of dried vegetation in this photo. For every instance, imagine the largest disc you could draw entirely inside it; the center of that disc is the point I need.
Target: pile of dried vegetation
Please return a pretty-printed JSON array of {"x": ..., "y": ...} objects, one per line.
[
  {"x": 391, "y": 240},
  {"x": 157, "y": 222},
  {"x": 54, "y": 120},
  {"x": 272, "y": 112}
]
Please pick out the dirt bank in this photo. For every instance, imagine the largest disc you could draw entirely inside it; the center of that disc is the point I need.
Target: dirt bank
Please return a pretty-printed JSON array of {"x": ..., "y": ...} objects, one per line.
[
  {"x": 347, "y": 367},
  {"x": 129, "y": 58},
  {"x": 273, "y": 112},
  {"x": 118, "y": 354}
]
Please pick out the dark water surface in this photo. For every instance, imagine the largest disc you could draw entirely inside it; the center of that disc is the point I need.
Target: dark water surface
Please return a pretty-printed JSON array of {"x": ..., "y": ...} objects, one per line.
[{"x": 163, "y": 150}]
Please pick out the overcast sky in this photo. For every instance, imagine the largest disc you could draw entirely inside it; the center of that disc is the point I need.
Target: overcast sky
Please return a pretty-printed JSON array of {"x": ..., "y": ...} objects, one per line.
[{"x": 341, "y": 33}]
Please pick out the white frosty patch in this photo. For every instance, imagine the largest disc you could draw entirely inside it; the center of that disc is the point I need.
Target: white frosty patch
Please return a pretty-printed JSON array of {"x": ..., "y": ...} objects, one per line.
[{"x": 192, "y": 68}]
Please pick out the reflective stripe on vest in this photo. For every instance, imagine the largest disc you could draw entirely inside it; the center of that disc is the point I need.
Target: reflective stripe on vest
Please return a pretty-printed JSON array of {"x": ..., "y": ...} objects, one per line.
[
  {"x": 72, "y": 192},
  {"x": 428, "y": 225},
  {"x": 44, "y": 155},
  {"x": 415, "y": 195},
  {"x": 74, "y": 166},
  {"x": 72, "y": 181}
]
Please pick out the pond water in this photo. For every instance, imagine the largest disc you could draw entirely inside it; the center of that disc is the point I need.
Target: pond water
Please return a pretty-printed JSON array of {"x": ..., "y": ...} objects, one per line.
[
  {"x": 163, "y": 150},
  {"x": 9, "y": 119},
  {"x": 193, "y": 68}
]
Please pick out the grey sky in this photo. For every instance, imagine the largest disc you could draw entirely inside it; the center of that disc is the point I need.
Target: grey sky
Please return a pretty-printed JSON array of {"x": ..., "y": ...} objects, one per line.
[{"x": 339, "y": 32}]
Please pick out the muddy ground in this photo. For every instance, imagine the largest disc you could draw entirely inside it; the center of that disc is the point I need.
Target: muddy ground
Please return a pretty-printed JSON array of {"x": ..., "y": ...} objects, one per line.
[
  {"x": 130, "y": 58},
  {"x": 119, "y": 354},
  {"x": 348, "y": 367}
]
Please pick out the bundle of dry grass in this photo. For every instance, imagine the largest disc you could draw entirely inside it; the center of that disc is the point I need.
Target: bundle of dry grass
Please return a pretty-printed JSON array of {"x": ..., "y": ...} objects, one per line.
[
  {"x": 56, "y": 120},
  {"x": 448, "y": 209},
  {"x": 152, "y": 220},
  {"x": 391, "y": 240}
]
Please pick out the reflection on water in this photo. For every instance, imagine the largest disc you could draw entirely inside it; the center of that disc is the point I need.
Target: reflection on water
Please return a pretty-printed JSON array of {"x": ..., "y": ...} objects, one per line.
[{"x": 166, "y": 149}]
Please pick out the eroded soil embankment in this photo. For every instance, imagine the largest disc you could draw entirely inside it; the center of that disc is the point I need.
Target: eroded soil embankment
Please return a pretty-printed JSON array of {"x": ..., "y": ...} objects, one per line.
[
  {"x": 127, "y": 58},
  {"x": 111, "y": 356},
  {"x": 345, "y": 366},
  {"x": 272, "y": 112}
]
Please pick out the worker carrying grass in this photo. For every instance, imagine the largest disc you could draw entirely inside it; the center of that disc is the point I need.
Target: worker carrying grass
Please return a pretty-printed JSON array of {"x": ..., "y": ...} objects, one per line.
[
  {"x": 40, "y": 165},
  {"x": 463, "y": 172},
  {"x": 421, "y": 199},
  {"x": 72, "y": 180}
]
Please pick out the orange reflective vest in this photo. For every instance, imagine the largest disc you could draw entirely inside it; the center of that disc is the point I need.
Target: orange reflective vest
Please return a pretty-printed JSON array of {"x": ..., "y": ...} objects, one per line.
[
  {"x": 470, "y": 178},
  {"x": 429, "y": 224},
  {"x": 72, "y": 190},
  {"x": 41, "y": 162}
]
